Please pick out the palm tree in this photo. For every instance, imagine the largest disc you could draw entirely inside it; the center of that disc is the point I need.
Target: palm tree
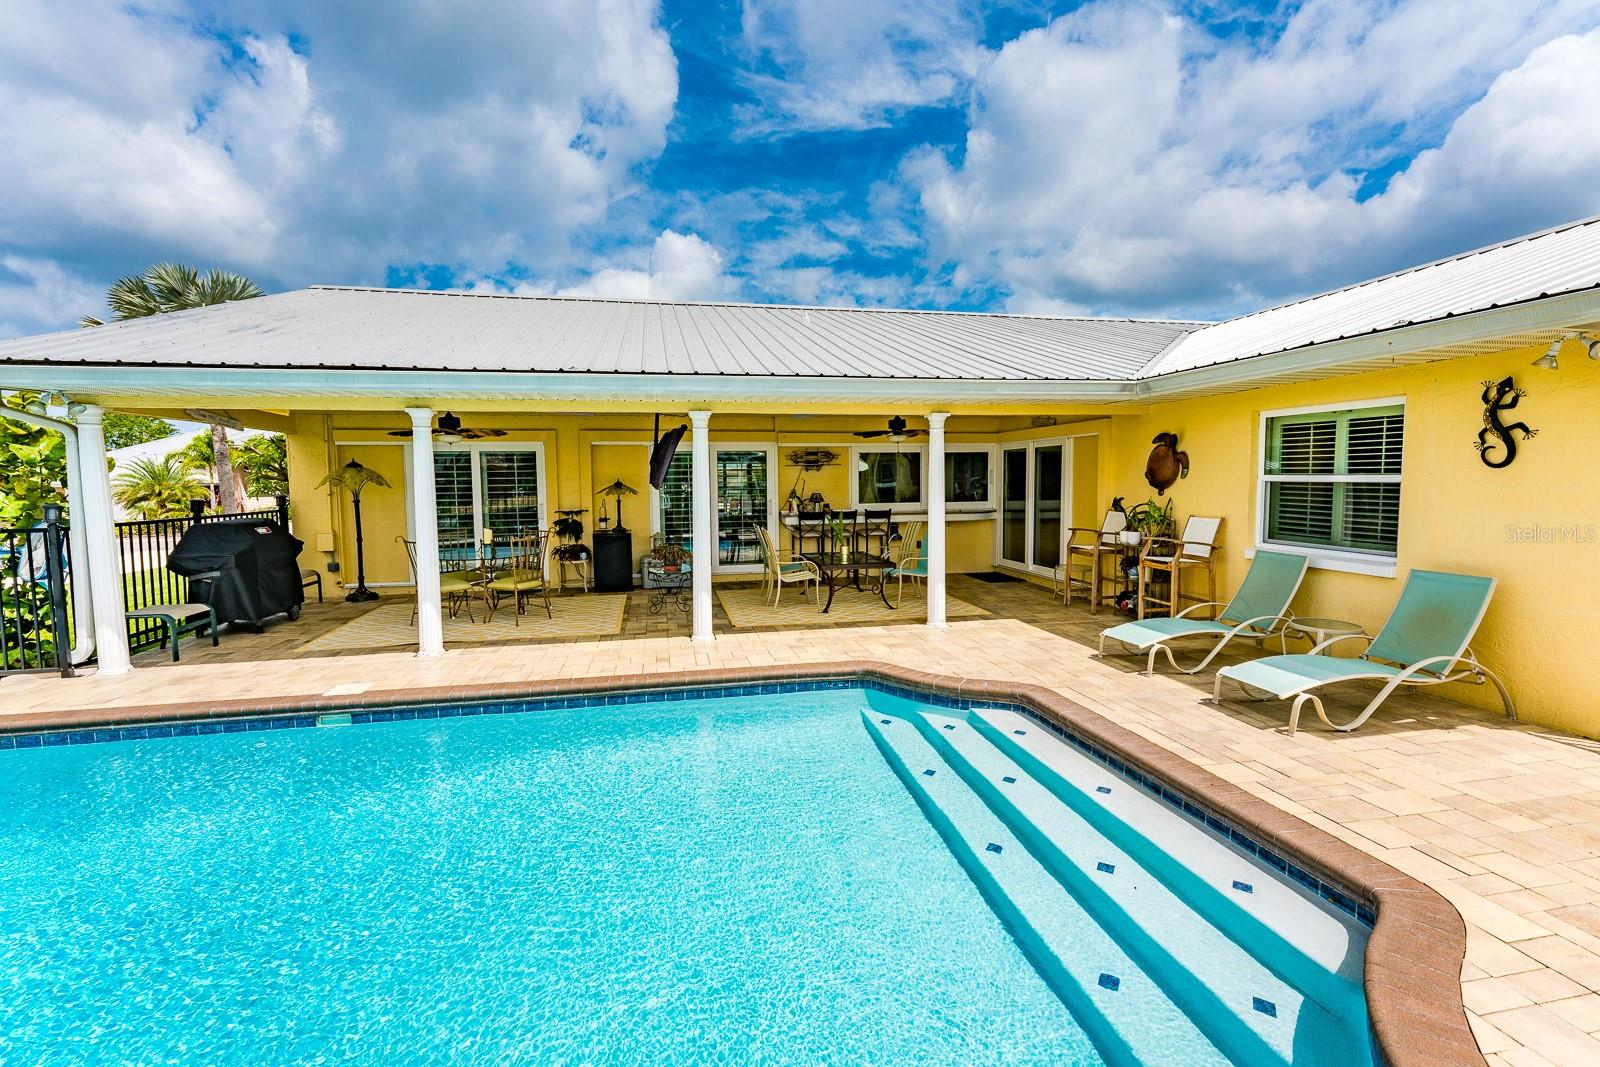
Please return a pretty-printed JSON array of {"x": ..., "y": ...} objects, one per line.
[
  {"x": 157, "y": 488},
  {"x": 178, "y": 287}
]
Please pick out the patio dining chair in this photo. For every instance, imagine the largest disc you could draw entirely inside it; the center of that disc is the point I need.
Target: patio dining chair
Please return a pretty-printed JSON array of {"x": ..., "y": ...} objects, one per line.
[
  {"x": 1258, "y": 612},
  {"x": 780, "y": 568},
  {"x": 528, "y": 575},
  {"x": 1174, "y": 557},
  {"x": 456, "y": 588},
  {"x": 1085, "y": 549},
  {"x": 877, "y": 529},
  {"x": 1427, "y": 641},
  {"x": 907, "y": 542},
  {"x": 908, "y": 566}
]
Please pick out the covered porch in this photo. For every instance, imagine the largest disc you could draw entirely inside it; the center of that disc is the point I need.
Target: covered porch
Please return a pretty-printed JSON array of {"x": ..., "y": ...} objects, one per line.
[{"x": 982, "y": 490}]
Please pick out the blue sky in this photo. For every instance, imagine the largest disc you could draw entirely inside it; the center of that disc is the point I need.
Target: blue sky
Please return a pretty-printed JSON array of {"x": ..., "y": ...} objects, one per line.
[{"x": 1114, "y": 157}]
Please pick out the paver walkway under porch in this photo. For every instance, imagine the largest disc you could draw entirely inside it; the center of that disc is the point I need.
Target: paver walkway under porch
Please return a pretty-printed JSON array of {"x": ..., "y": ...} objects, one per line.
[{"x": 1501, "y": 818}]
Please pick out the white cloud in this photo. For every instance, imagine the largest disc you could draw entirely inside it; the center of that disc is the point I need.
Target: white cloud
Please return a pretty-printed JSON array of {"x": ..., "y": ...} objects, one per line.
[
  {"x": 676, "y": 266},
  {"x": 851, "y": 65},
  {"x": 1122, "y": 159},
  {"x": 36, "y": 295},
  {"x": 681, "y": 266},
  {"x": 303, "y": 141}
]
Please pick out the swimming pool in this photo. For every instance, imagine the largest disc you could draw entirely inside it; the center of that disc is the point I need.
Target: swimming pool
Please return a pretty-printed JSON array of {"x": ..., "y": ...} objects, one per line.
[{"x": 772, "y": 877}]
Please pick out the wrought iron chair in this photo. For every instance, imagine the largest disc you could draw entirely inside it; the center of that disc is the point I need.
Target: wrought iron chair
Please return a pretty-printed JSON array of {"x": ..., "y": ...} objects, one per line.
[
  {"x": 455, "y": 587},
  {"x": 528, "y": 575}
]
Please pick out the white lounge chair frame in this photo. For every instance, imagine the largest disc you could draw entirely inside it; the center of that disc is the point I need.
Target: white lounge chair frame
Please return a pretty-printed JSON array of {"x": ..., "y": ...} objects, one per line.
[{"x": 1463, "y": 666}]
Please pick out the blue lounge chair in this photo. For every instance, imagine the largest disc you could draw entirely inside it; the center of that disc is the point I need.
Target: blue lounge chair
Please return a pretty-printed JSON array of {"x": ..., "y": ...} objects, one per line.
[
  {"x": 1258, "y": 611},
  {"x": 1425, "y": 642}
]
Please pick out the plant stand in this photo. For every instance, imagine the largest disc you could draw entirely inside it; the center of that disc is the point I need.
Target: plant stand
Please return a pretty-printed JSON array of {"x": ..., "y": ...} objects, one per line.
[
  {"x": 668, "y": 587},
  {"x": 579, "y": 566}
]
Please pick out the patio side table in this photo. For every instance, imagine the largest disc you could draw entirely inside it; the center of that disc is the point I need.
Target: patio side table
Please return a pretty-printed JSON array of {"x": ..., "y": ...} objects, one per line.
[
  {"x": 668, "y": 587},
  {"x": 1317, "y": 630}
]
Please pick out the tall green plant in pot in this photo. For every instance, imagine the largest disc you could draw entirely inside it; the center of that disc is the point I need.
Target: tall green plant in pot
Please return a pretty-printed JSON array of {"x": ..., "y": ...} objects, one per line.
[{"x": 1153, "y": 518}]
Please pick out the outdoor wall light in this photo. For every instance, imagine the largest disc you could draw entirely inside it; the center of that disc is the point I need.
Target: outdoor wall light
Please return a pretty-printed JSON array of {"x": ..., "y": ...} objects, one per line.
[{"x": 1548, "y": 360}]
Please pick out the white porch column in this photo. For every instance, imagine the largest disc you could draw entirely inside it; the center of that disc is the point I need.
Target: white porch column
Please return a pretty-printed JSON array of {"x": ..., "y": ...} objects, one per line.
[
  {"x": 936, "y": 518},
  {"x": 424, "y": 508},
  {"x": 704, "y": 540},
  {"x": 104, "y": 568}
]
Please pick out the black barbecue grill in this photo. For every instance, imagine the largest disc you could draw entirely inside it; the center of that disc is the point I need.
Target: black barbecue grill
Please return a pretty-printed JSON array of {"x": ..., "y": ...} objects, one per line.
[{"x": 247, "y": 570}]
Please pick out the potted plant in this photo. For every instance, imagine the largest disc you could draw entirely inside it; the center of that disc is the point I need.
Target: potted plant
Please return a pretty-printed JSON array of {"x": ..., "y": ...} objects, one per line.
[
  {"x": 569, "y": 527},
  {"x": 1151, "y": 519},
  {"x": 670, "y": 555},
  {"x": 839, "y": 542}
]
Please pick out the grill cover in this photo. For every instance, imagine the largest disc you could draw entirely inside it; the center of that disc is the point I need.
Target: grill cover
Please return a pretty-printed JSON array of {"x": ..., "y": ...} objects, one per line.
[{"x": 259, "y": 564}]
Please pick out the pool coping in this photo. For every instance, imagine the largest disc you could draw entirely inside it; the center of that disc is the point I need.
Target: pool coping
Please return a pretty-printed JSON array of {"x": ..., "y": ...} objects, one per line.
[{"x": 1413, "y": 962}]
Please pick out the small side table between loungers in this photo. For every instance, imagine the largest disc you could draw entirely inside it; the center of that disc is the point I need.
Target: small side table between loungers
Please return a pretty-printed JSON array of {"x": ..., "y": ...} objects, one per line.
[{"x": 1318, "y": 630}]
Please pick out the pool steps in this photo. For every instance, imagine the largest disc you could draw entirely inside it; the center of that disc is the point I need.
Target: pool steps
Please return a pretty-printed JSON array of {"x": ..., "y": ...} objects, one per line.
[
  {"x": 1216, "y": 981},
  {"x": 1130, "y": 1018},
  {"x": 1316, "y": 947},
  {"x": 1264, "y": 991}
]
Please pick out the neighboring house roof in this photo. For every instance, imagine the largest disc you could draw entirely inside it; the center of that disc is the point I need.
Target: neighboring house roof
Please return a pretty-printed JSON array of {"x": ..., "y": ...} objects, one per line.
[
  {"x": 1477, "y": 301},
  {"x": 164, "y": 447}
]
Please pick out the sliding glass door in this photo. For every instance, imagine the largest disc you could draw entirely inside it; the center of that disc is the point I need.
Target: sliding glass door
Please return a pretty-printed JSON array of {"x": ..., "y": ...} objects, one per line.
[
  {"x": 742, "y": 505},
  {"x": 1034, "y": 486},
  {"x": 1014, "y": 506},
  {"x": 1047, "y": 506}
]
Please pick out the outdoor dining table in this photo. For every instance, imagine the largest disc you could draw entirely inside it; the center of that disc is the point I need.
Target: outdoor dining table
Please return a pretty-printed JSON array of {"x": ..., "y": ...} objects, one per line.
[
  {"x": 840, "y": 569},
  {"x": 473, "y": 557}
]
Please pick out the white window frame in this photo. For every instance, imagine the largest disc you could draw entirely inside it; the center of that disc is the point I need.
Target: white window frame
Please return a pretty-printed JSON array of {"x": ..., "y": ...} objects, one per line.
[
  {"x": 920, "y": 507},
  {"x": 1030, "y": 449},
  {"x": 1378, "y": 564},
  {"x": 989, "y": 503}
]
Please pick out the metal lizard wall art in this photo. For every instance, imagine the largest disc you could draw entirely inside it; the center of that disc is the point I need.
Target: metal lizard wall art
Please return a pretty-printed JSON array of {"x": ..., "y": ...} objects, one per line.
[{"x": 1500, "y": 397}]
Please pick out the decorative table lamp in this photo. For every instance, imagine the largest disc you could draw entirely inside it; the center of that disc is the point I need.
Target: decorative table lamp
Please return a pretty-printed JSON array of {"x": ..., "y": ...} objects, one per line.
[{"x": 617, "y": 489}]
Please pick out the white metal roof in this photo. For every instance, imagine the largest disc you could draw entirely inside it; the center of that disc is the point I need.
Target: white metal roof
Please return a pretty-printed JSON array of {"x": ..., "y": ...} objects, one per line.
[
  {"x": 406, "y": 329},
  {"x": 1529, "y": 288},
  {"x": 1549, "y": 263}
]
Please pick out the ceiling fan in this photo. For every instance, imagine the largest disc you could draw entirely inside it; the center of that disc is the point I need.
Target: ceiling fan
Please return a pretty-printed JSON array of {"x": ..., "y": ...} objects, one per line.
[
  {"x": 896, "y": 432},
  {"x": 449, "y": 429}
]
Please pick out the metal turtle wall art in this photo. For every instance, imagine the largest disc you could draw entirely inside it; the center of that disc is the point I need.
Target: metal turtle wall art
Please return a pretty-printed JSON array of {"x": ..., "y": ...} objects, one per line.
[{"x": 1166, "y": 464}]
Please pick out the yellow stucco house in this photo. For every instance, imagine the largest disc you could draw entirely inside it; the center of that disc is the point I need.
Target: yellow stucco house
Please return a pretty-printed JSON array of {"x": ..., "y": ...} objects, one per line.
[{"x": 1028, "y": 425}]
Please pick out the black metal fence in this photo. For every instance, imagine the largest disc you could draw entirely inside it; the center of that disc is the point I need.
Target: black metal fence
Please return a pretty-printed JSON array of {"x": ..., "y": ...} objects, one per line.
[
  {"x": 144, "y": 544},
  {"x": 36, "y": 587},
  {"x": 35, "y": 621}
]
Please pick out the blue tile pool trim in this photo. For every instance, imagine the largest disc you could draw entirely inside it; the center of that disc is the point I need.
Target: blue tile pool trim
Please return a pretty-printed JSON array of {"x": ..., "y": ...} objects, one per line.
[{"x": 449, "y": 710}]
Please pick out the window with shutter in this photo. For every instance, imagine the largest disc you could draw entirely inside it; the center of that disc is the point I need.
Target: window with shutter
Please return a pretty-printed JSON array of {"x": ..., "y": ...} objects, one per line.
[
  {"x": 452, "y": 489},
  {"x": 510, "y": 493},
  {"x": 478, "y": 488},
  {"x": 1331, "y": 479},
  {"x": 676, "y": 500}
]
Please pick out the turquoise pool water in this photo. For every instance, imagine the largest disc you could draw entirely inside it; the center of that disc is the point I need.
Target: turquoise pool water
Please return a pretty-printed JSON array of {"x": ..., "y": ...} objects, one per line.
[
  {"x": 726, "y": 880},
  {"x": 833, "y": 875}
]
